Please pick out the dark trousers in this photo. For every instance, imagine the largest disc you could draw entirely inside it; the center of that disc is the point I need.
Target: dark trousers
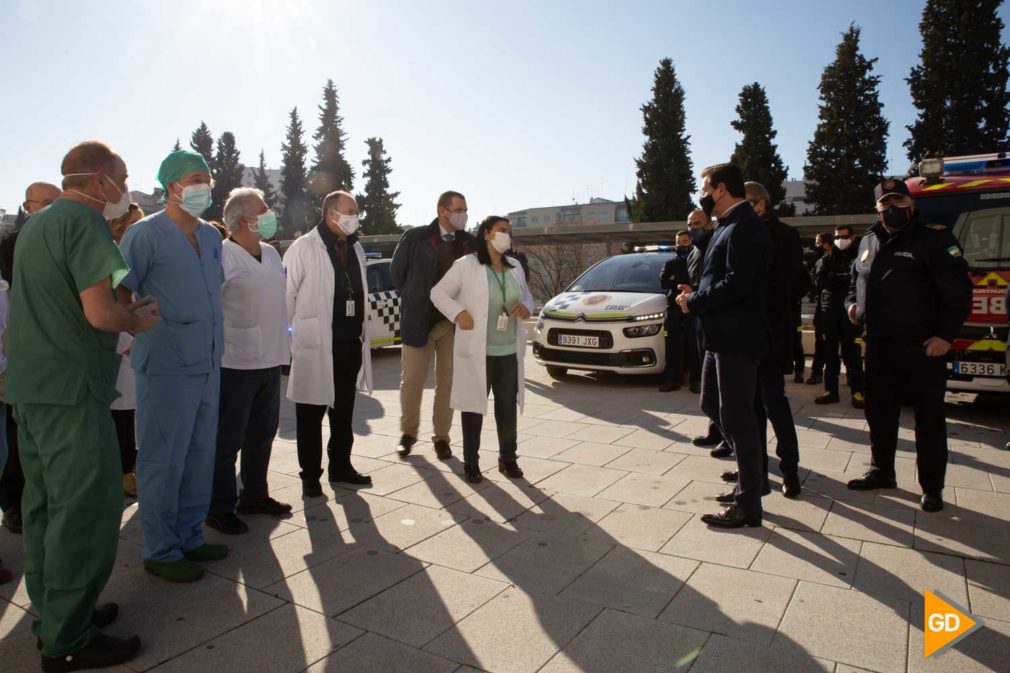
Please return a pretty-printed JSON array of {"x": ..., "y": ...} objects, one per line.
[
  {"x": 309, "y": 418},
  {"x": 676, "y": 333},
  {"x": 817, "y": 366},
  {"x": 773, "y": 405},
  {"x": 839, "y": 334},
  {"x": 125, "y": 421},
  {"x": 503, "y": 379},
  {"x": 247, "y": 421},
  {"x": 799, "y": 357},
  {"x": 728, "y": 391},
  {"x": 694, "y": 357},
  {"x": 894, "y": 370},
  {"x": 12, "y": 481}
]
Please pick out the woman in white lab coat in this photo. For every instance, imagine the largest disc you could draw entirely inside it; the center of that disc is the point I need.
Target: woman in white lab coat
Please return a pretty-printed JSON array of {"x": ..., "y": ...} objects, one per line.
[{"x": 486, "y": 295}]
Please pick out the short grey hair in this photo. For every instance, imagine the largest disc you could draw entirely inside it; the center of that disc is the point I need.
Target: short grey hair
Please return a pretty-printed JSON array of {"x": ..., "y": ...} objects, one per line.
[
  {"x": 331, "y": 200},
  {"x": 237, "y": 205},
  {"x": 757, "y": 192}
]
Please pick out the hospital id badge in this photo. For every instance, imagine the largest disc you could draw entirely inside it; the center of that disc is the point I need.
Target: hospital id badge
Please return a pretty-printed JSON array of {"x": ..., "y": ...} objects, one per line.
[
  {"x": 503, "y": 322},
  {"x": 349, "y": 308}
]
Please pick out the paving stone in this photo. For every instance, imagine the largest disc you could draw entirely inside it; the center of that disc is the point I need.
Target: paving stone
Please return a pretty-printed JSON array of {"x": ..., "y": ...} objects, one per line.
[
  {"x": 583, "y": 480},
  {"x": 846, "y": 626},
  {"x": 500, "y": 502},
  {"x": 809, "y": 556},
  {"x": 469, "y": 545},
  {"x": 822, "y": 459},
  {"x": 963, "y": 533},
  {"x": 904, "y": 468},
  {"x": 423, "y": 606},
  {"x": 546, "y": 564},
  {"x": 563, "y": 514},
  {"x": 287, "y": 639},
  {"x": 698, "y": 497},
  {"x": 343, "y": 512},
  {"x": 13, "y": 620},
  {"x": 730, "y": 655},
  {"x": 657, "y": 439},
  {"x": 702, "y": 469},
  {"x": 534, "y": 469},
  {"x": 560, "y": 429},
  {"x": 884, "y": 524},
  {"x": 18, "y": 655},
  {"x": 403, "y": 527},
  {"x": 738, "y": 547},
  {"x": 515, "y": 632},
  {"x": 371, "y": 653},
  {"x": 806, "y": 513},
  {"x": 616, "y": 641},
  {"x": 592, "y": 453},
  {"x": 389, "y": 479},
  {"x": 984, "y": 503},
  {"x": 966, "y": 476},
  {"x": 894, "y": 575},
  {"x": 600, "y": 433},
  {"x": 739, "y": 603},
  {"x": 438, "y": 492},
  {"x": 989, "y": 588},
  {"x": 644, "y": 489},
  {"x": 985, "y": 651},
  {"x": 641, "y": 527},
  {"x": 540, "y": 446},
  {"x": 647, "y": 461},
  {"x": 632, "y": 581},
  {"x": 341, "y": 583}
]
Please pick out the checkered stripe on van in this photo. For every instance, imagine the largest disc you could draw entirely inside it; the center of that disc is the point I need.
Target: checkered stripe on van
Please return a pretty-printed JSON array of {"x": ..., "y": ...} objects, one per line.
[{"x": 389, "y": 314}]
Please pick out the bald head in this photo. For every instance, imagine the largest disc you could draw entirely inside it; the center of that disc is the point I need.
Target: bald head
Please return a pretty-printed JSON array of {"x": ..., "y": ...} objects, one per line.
[
  {"x": 39, "y": 195},
  {"x": 699, "y": 220}
]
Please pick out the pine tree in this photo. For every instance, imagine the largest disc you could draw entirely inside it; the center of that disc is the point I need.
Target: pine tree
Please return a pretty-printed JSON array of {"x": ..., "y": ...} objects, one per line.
[
  {"x": 178, "y": 146},
  {"x": 960, "y": 84},
  {"x": 293, "y": 179},
  {"x": 848, "y": 153},
  {"x": 330, "y": 171},
  {"x": 378, "y": 205},
  {"x": 262, "y": 181},
  {"x": 203, "y": 142},
  {"x": 228, "y": 174},
  {"x": 756, "y": 154},
  {"x": 665, "y": 175}
]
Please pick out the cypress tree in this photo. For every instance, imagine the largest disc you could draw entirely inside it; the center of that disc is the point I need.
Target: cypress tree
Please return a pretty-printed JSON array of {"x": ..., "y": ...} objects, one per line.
[
  {"x": 178, "y": 146},
  {"x": 847, "y": 154},
  {"x": 262, "y": 181},
  {"x": 330, "y": 171},
  {"x": 293, "y": 179},
  {"x": 203, "y": 142},
  {"x": 756, "y": 154},
  {"x": 378, "y": 205},
  {"x": 228, "y": 174},
  {"x": 960, "y": 84},
  {"x": 666, "y": 180}
]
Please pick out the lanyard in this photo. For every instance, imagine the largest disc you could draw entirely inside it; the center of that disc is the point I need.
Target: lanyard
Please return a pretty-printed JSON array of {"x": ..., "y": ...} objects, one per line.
[
  {"x": 500, "y": 277},
  {"x": 342, "y": 256}
]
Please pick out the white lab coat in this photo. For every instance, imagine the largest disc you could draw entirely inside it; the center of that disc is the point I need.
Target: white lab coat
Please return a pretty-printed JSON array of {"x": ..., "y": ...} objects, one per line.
[
  {"x": 465, "y": 287},
  {"x": 310, "y": 287}
]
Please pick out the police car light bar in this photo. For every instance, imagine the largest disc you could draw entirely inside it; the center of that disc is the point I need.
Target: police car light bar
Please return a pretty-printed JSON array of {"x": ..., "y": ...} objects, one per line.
[{"x": 662, "y": 247}]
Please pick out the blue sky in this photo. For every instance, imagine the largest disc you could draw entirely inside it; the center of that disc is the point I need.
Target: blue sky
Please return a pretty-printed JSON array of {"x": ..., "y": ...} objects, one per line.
[{"x": 516, "y": 104}]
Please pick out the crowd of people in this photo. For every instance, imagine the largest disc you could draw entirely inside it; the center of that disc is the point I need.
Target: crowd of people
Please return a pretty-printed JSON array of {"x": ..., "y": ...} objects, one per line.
[{"x": 144, "y": 355}]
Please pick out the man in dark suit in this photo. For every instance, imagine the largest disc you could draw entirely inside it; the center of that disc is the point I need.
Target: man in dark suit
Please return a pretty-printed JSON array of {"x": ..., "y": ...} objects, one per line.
[
  {"x": 674, "y": 274},
  {"x": 730, "y": 303}
]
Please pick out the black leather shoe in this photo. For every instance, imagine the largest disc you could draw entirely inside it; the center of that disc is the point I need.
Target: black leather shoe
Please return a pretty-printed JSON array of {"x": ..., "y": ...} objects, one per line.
[
  {"x": 798, "y": 378},
  {"x": 12, "y": 520},
  {"x": 870, "y": 481},
  {"x": 471, "y": 473},
  {"x": 442, "y": 450},
  {"x": 227, "y": 523},
  {"x": 827, "y": 397},
  {"x": 791, "y": 486},
  {"x": 510, "y": 469},
  {"x": 732, "y": 517},
  {"x": 724, "y": 450},
  {"x": 669, "y": 387},
  {"x": 707, "y": 440},
  {"x": 103, "y": 615},
  {"x": 270, "y": 507},
  {"x": 815, "y": 380},
  {"x": 102, "y": 652},
  {"x": 727, "y": 498},
  {"x": 407, "y": 442},
  {"x": 311, "y": 490},
  {"x": 732, "y": 476},
  {"x": 931, "y": 502},
  {"x": 352, "y": 477}
]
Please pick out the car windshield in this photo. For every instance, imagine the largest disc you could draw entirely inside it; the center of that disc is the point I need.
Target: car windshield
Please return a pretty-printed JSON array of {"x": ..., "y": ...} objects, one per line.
[{"x": 624, "y": 273}]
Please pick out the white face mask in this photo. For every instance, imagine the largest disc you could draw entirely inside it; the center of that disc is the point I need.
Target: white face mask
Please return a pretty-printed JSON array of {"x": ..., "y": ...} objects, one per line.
[
  {"x": 112, "y": 210},
  {"x": 501, "y": 242},
  {"x": 458, "y": 220},
  {"x": 843, "y": 243},
  {"x": 347, "y": 223}
]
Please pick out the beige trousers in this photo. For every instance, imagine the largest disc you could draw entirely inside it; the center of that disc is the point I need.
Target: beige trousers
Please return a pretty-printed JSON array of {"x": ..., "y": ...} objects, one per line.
[{"x": 414, "y": 363}]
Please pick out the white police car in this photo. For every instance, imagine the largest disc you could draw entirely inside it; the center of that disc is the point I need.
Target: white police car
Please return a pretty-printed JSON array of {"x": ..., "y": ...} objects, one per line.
[
  {"x": 383, "y": 302},
  {"x": 609, "y": 319}
]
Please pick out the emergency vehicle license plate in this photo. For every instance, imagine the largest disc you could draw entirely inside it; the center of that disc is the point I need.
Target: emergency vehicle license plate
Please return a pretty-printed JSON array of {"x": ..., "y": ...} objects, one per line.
[
  {"x": 985, "y": 369},
  {"x": 578, "y": 341}
]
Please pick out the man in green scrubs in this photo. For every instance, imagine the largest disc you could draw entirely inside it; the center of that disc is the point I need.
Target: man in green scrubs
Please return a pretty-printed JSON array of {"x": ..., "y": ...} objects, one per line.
[{"x": 61, "y": 377}]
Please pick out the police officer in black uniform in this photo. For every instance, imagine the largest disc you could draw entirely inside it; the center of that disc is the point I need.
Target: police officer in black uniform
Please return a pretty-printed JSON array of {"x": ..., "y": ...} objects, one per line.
[
  {"x": 674, "y": 273},
  {"x": 832, "y": 277},
  {"x": 910, "y": 291}
]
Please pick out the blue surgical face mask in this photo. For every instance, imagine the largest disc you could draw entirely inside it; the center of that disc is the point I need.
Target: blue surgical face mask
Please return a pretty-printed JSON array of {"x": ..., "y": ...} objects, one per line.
[{"x": 195, "y": 199}]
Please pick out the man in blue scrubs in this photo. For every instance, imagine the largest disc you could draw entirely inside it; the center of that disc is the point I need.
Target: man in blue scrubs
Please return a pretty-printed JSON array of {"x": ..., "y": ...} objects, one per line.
[{"x": 176, "y": 257}]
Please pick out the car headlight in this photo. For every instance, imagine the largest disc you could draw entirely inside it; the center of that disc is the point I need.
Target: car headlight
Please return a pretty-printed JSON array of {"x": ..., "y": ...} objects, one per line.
[
  {"x": 648, "y": 316},
  {"x": 643, "y": 330},
  {"x": 540, "y": 325}
]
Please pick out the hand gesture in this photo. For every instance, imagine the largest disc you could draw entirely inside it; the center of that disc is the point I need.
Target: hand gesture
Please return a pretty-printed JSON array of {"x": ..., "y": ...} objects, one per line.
[
  {"x": 685, "y": 292},
  {"x": 853, "y": 318},
  {"x": 520, "y": 311},
  {"x": 146, "y": 314},
  {"x": 465, "y": 321},
  {"x": 936, "y": 347}
]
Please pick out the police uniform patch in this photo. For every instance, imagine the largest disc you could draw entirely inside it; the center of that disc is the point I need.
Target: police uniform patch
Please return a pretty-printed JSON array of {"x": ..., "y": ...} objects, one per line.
[{"x": 954, "y": 251}]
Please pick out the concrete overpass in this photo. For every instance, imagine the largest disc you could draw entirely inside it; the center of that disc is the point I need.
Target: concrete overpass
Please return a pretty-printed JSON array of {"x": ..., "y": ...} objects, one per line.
[{"x": 633, "y": 232}]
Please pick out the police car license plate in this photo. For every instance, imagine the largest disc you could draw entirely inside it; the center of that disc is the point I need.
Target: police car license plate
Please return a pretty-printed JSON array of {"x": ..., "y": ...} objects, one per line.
[
  {"x": 578, "y": 341},
  {"x": 986, "y": 369}
]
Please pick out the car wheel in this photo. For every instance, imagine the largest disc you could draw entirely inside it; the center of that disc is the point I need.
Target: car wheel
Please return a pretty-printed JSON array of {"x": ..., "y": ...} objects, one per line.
[{"x": 556, "y": 372}]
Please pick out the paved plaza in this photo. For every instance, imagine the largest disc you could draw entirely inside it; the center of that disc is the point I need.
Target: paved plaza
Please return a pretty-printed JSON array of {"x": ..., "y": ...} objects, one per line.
[{"x": 596, "y": 562}]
